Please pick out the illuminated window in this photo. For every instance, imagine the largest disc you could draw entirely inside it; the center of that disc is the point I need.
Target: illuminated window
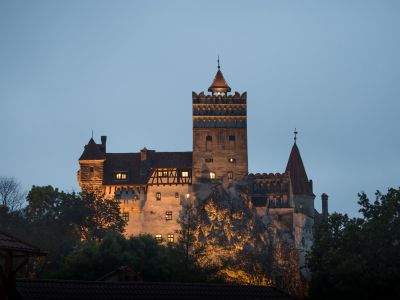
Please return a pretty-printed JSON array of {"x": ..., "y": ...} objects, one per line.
[
  {"x": 232, "y": 137},
  {"x": 168, "y": 215},
  {"x": 159, "y": 237},
  {"x": 209, "y": 138},
  {"x": 158, "y": 196},
  {"x": 163, "y": 173},
  {"x": 230, "y": 176},
  {"x": 187, "y": 196},
  {"x": 212, "y": 175},
  {"x": 125, "y": 216},
  {"x": 232, "y": 160},
  {"x": 170, "y": 238},
  {"x": 120, "y": 176},
  {"x": 209, "y": 160},
  {"x": 176, "y": 195},
  {"x": 185, "y": 174},
  {"x": 91, "y": 169}
]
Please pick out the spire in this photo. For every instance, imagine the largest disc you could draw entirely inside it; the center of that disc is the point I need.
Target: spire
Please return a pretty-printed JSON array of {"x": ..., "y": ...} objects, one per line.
[
  {"x": 92, "y": 152},
  {"x": 298, "y": 175},
  {"x": 219, "y": 84}
]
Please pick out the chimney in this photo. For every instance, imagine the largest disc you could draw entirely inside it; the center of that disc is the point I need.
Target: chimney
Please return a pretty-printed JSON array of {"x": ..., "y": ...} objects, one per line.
[
  {"x": 324, "y": 199},
  {"x": 103, "y": 143},
  {"x": 143, "y": 154}
]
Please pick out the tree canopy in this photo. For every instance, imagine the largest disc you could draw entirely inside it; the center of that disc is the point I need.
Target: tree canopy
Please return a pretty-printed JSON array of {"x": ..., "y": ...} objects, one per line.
[{"x": 358, "y": 257}]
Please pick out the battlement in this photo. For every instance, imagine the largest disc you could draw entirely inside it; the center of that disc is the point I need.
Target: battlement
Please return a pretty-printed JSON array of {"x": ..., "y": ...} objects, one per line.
[
  {"x": 268, "y": 175},
  {"x": 236, "y": 98}
]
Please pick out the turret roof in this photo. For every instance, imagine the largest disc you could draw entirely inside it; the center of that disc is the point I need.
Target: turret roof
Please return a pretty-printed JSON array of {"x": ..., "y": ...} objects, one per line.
[
  {"x": 92, "y": 152},
  {"x": 298, "y": 175},
  {"x": 219, "y": 84}
]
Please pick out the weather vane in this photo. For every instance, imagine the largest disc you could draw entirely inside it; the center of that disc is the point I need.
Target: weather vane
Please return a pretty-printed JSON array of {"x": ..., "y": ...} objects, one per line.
[
  {"x": 218, "y": 62},
  {"x": 92, "y": 132},
  {"x": 295, "y": 135}
]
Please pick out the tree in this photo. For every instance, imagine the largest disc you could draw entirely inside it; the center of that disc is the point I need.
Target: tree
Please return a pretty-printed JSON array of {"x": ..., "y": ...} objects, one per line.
[
  {"x": 11, "y": 194},
  {"x": 101, "y": 215},
  {"x": 358, "y": 257}
]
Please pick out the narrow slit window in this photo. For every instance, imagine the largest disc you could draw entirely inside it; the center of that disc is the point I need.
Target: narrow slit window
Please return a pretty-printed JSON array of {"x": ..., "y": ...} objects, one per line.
[
  {"x": 230, "y": 176},
  {"x": 158, "y": 196}
]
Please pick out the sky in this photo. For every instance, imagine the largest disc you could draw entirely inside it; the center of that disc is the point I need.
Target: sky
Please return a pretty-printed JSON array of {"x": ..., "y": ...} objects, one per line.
[{"x": 127, "y": 69}]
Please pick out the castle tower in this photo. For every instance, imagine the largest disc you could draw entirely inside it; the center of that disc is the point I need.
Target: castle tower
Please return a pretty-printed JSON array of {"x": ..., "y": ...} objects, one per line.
[
  {"x": 91, "y": 173},
  {"x": 219, "y": 133}
]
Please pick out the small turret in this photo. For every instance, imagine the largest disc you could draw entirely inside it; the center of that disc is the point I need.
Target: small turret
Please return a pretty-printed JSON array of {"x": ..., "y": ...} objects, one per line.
[{"x": 219, "y": 84}]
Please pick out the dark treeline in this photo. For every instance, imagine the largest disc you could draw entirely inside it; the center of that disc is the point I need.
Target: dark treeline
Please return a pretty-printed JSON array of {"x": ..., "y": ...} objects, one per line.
[
  {"x": 358, "y": 258},
  {"x": 83, "y": 235}
]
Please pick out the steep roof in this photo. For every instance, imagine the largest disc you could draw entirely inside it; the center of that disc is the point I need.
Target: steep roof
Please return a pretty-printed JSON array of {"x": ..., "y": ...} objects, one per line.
[
  {"x": 298, "y": 175},
  {"x": 92, "y": 152},
  {"x": 219, "y": 84},
  {"x": 85, "y": 290}
]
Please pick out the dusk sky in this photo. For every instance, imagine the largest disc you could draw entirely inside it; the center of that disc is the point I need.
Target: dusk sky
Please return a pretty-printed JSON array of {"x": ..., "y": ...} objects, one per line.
[{"x": 127, "y": 69}]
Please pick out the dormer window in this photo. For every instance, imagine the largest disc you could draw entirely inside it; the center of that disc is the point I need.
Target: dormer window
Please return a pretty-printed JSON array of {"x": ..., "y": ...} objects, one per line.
[{"x": 121, "y": 176}]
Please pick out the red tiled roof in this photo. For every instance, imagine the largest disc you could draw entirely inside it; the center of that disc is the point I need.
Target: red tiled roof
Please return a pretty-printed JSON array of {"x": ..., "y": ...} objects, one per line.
[
  {"x": 298, "y": 175},
  {"x": 99, "y": 290}
]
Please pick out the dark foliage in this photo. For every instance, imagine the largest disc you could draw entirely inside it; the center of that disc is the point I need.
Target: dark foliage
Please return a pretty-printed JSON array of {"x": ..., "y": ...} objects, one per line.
[{"x": 359, "y": 257}]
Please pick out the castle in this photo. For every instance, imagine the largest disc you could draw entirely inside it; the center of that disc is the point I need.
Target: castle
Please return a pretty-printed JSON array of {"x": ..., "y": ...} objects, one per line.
[{"x": 151, "y": 185}]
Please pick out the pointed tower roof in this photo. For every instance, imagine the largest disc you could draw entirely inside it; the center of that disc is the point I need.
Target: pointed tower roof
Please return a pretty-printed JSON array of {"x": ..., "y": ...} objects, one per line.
[
  {"x": 92, "y": 152},
  {"x": 298, "y": 175},
  {"x": 219, "y": 84}
]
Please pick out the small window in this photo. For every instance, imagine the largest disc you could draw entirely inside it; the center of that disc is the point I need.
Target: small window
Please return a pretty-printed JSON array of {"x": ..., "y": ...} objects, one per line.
[
  {"x": 170, "y": 238},
  {"x": 158, "y": 196},
  {"x": 232, "y": 138},
  {"x": 159, "y": 237},
  {"x": 185, "y": 174},
  {"x": 159, "y": 173},
  {"x": 209, "y": 160},
  {"x": 212, "y": 175},
  {"x": 91, "y": 169},
  {"x": 168, "y": 215},
  {"x": 232, "y": 160},
  {"x": 209, "y": 138},
  {"x": 120, "y": 176},
  {"x": 230, "y": 176},
  {"x": 165, "y": 173},
  {"x": 125, "y": 216},
  {"x": 176, "y": 195}
]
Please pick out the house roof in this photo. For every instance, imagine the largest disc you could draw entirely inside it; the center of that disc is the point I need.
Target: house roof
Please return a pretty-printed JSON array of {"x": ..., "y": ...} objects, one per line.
[
  {"x": 138, "y": 171},
  {"x": 92, "y": 152},
  {"x": 99, "y": 290},
  {"x": 219, "y": 83},
  {"x": 9, "y": 243},
  {"x": 298, "y": 175}
]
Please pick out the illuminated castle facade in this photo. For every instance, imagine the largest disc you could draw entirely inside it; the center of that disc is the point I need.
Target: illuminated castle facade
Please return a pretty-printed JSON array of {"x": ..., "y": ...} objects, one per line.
[{"x": 151, "y": 185}]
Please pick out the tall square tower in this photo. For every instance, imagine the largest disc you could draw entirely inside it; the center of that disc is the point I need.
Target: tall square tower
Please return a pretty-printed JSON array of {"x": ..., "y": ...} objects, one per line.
[{"x": 219, "y": 133}]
